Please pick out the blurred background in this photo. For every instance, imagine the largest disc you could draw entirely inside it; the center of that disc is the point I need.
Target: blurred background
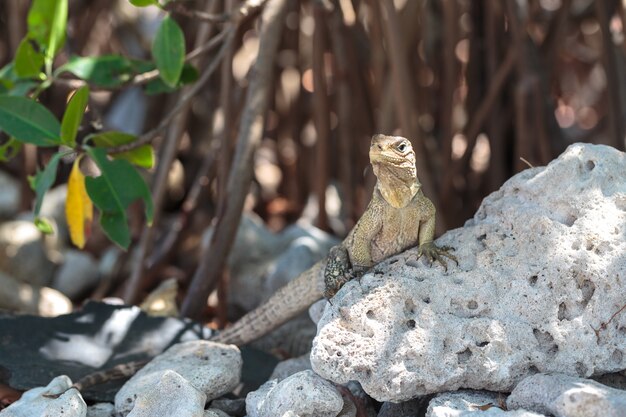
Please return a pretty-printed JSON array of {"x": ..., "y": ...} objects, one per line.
[{"x": 483, "y": 89}]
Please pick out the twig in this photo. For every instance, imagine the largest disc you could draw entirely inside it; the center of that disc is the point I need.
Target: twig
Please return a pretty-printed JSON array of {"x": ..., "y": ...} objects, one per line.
[
  {"x": 197, "y": 14},
  {"x": 168, "y": 153},
  {"x": 321, "y": 113},
  {"x": 250, "y": 134},
  {"x": 182, "y": 103},
  {"x": 609, "y": 61}
]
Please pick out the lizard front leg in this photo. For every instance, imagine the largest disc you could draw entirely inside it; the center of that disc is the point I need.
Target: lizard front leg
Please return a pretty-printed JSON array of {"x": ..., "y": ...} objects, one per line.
[{"x": 428, "y": 248}]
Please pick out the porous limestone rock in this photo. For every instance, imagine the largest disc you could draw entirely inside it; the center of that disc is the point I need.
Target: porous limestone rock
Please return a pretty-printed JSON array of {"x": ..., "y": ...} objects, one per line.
[
  {"x": 212, "y": 368},
  {"x": 34, "y": 403},
  {"x": 171, "y": 396},
  {"x": 473, "y": 404},
  {"x": 539, "y": 288},
  {"x": 303, "y": 394},
  {"x": 567, "y": 396}
]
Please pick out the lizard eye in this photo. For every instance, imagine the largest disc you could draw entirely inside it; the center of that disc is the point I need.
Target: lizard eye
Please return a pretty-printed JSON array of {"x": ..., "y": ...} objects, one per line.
[{"x": 402, "y": 147}]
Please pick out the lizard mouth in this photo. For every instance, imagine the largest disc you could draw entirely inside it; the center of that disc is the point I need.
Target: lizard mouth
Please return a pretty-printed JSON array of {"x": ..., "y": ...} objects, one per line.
[{"x": 385, "y": 157}]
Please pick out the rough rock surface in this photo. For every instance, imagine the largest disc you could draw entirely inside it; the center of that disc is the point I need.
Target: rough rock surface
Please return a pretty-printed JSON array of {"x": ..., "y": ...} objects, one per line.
[
  {"x": 34, "y": 404},
  {"x": 472, "y": 404},
  {"x": 568, "y": 396},
  {"x": 542, "y": 272},
  {"x": 213, "y": 412},
  {"x": 77, "y": 274},
  {"x": 303, "y": 394},
  {"x": 212, "y": 368},
  {"x": 171, "y": 396}
]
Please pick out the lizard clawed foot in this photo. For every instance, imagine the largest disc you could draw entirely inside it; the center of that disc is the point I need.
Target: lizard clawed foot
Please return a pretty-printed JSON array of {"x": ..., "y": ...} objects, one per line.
[{"x": 435, "y": 253}]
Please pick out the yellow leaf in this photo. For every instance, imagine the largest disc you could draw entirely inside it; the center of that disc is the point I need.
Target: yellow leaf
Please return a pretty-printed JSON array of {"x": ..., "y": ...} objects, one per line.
[{"x": 78, "y": 207}]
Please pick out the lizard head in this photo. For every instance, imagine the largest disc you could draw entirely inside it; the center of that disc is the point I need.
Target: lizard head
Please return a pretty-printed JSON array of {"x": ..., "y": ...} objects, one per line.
[{"x": 393, "y": 162}]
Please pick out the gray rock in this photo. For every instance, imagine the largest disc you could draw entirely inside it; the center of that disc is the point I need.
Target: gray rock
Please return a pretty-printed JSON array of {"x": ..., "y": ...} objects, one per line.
[
  {"x": 567, "y": 396},
  {"x": 171, "y": 396},
  {"x": 214, "y": 412},
  {"x": 261, "y": 262},
  {"x": 101, "y": 410},
  {"x": 10, "y": 196},
  {"x": 411, "y": 408},
  {"x": 472, "y": 404},
  {"x": 77, "y": 274},
  {"x": 25, "y": 298},
  {"x": 291, "y": 366},
  {"x": 22, "y": 253},
  {"x": 33, "y": 403},
  {"x": 233, "y": 407},
  {"x": 303, "y": 394},
  {"x": 542, "y": 269},
  {"x": 212, "y": 368}
]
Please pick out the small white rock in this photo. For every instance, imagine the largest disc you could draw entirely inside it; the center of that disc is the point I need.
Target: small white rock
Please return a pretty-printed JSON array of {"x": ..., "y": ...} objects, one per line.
[
  {"x": 214, "y": 412},
  {"x": 303, "y": 394},
  {"x": 171, "y": 396},
  {"x": 569, "y": 396},
  {"x": 212, "y": 368},
  {"x": 34, "y": 404},
  {"x": 291, "y": 366}
]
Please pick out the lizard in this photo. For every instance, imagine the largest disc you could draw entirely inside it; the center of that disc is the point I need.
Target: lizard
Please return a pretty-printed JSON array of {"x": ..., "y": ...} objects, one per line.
[{"x": 399, "y": 216}]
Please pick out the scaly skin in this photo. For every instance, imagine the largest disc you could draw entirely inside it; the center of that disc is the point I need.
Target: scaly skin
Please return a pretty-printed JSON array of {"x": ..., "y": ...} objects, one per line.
[{"x": 398, "y": 217}]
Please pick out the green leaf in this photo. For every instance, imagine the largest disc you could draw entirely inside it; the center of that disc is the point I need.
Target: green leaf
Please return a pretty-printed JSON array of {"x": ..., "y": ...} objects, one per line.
[
  {"x": 9, "y": 149},
  {"x": 187, "y": 76},
  {"x": 106, "y": 71},
  {"x": 44, "y": 225},
  {"x": 47, "y": 20},
  {"x": 43, "y": 180},
  {"x": 144, "y": 3},
  {"x": 142, "y": 156},
  {"x": 168, "y": 50},
  {"x": 29, "y": 121},
  {"x": 113, "y": 191},
  {"x": 28, "y": 61},
  {"x": 73, "y": 116}
]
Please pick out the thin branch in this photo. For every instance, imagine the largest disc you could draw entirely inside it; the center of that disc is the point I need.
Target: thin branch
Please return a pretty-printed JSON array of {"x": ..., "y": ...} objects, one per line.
[
  {"x": 197, "y": 14},
  {"x": 182, "y": 103},
  {"x": 159, "y": 183},
  {"x": 250, "y": 134}
]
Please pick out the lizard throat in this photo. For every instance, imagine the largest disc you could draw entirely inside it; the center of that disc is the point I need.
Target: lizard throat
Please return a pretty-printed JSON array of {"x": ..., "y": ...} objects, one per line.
[{"x": 397, "y": 186}]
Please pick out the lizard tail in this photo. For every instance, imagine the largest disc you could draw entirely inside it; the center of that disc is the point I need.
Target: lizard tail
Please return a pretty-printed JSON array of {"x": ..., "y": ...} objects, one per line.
[{"x": 286, "y": 303}]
